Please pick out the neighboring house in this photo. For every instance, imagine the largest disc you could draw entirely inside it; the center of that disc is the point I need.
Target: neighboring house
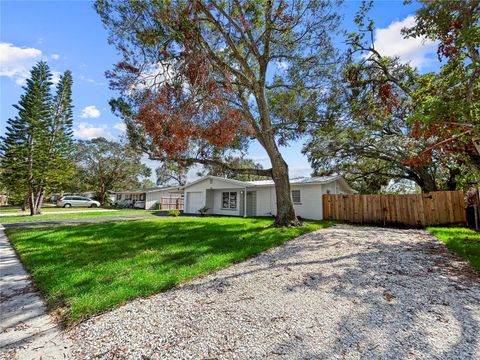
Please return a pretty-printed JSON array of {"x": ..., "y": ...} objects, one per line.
[
  {"x": 228, "y": 197},
  {"x": 146, "y": 198},
  {"x": 3, "y": 199}
]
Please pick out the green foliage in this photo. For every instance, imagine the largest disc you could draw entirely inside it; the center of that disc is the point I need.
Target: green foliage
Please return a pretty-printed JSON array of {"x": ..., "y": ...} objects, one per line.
[
  {"x": 174, "y": 212},
  {"x": 450, "y": 100},
  {"x": 389, "y": 122},
  {"x": 35, "y": 153},
  {"x": 147, "y": 183},
  {"x": 96, "y": 267},
  {"x": 465, "y": 242},
  {"x": 172, "y": 173},
  {"x": 203, "y": 211},
  {"x": 105, "y": 165},
  {"x": 225, "y": 74}
]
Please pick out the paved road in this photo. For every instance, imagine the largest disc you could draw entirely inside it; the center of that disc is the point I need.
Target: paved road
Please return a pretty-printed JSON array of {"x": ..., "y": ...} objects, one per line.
[
  {"x": 26, "y": 330},
  {"x": 56, "y": 212},
  {"x": 80, "y": 220}
]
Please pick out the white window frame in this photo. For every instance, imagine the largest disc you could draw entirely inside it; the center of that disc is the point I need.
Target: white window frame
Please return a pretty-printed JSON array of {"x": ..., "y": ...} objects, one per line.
[
  {"x": 299, "y": 202},
  {"x": 230, "y": 193}
]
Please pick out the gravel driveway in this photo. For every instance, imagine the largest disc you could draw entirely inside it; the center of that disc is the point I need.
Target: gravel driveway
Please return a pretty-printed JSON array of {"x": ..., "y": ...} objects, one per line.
[{"x": 340, "y": 293}]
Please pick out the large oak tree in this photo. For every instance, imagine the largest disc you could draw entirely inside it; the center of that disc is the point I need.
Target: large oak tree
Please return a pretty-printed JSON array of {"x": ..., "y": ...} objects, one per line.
[{"x": 201, "y": 79}]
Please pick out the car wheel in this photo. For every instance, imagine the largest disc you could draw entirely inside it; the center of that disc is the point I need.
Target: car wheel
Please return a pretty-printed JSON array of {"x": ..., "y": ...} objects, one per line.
[
  {"x": 67, "y": 205},
  {"x": 93, "y": 205}
]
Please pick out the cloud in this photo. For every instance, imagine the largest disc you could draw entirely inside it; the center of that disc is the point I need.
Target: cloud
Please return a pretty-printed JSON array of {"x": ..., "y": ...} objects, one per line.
[
  {"x": 258, "y": 158},
  {"x": 90, "y": 80},
  {"x": 120, "y": 127},
  {"x": 390, "y": 42},
  {"x": 90, "y": 112},
  {"x": 87, "y": 131},
  {"x": 55, "y": 56},
  {"x": 16, "y": 62}
]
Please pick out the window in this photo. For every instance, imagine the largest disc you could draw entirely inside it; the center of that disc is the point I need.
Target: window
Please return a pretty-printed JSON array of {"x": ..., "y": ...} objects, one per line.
[
  {"x": 128, "y": 197},
  {"x": 119, "y": 197},
  {"x": 296, "y": 197},
  {"x": 229, "y": 200},
  {"x": 142, "y": 197}
]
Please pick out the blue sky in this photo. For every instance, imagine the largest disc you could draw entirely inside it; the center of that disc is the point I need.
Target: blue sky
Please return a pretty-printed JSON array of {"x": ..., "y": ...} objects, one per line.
[{"x": 69, "y": 35}]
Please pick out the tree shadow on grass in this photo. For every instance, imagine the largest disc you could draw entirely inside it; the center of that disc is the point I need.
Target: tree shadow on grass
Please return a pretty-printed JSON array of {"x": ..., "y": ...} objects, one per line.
[{"x": 95, "y": 267}]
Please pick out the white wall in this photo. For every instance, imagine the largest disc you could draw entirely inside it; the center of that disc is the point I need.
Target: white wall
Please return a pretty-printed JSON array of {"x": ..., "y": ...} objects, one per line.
[
  {"x": 311, "y": 206},
  {"x": 218, "y": 186},
  {"x": 152, "y": 198},
  {"x": 266, "y": 199}
]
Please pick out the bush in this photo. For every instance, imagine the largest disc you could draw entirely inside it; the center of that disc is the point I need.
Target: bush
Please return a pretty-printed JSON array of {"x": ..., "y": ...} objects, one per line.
[
  {"x": 174, "y": 212},
  {"x": 203, "y": 211}
]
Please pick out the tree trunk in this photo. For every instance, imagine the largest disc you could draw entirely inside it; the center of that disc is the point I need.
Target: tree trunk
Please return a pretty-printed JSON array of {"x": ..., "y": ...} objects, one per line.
[
  {"x": 39, "y": 201},
  {"x": 285, "y": 211},
  {"x": 25, "y": 203},
  {"x": 452, "y": 179},
  {"x": 31, "y": 201}
]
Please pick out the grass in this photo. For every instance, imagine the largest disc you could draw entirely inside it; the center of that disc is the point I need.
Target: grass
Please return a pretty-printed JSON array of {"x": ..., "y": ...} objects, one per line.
[
  {"x": 87, "y": 269},
  {"x": 66, "y": 215},
  {"x": 463, "y": 241}
]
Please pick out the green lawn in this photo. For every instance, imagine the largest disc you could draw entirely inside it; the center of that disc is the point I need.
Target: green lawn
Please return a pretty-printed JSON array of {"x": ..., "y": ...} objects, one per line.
[
  {"x": 86, "y": 269},
  {"x": 66, "y": 215},
  {"x": 464, "y": 242}
]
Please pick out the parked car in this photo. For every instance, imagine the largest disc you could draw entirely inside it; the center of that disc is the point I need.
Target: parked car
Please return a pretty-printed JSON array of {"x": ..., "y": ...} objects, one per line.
[{"x": 77, "y": 201}]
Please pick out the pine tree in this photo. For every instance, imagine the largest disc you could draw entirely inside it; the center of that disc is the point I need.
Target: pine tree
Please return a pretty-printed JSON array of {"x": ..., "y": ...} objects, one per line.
[
  {"x": 60, "y": 145},
  {"x": 35, "y": 151}
]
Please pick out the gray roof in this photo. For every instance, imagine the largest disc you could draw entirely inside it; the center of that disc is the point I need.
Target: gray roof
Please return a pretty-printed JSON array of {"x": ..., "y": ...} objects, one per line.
[
  {"x": 294, "y": 181},
  {"x": 299, "y": 180},
  {"x": 147, "y": 190}
]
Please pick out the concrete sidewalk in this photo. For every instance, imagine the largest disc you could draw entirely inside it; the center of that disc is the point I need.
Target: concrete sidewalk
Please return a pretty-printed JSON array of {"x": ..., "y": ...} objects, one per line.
[{"x": 26, "y": 330}]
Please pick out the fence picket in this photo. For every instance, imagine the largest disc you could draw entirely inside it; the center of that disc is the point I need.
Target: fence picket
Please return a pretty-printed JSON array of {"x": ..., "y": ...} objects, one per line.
[{"x": 436, "y": 208}]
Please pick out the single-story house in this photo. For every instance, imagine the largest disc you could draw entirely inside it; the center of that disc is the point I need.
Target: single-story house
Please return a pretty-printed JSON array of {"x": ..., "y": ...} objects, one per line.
[
  {"x": 257, "y": 198},
  {"x": 146, "y": 198}
]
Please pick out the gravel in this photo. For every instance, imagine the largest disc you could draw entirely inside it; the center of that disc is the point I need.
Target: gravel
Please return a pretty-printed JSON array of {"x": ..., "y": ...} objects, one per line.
[{"x": 339, "y": 293}]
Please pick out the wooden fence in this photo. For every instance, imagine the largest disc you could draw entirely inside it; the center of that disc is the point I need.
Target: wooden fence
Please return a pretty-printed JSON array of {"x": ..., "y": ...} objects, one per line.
[
  {"x": 418, "y": 210},
  {"x": 171, "y": 203}
]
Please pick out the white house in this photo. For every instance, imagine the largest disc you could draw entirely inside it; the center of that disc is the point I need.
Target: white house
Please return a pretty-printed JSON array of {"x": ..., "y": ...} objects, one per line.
[
  {"x": 228, "y": 197},
  {"x": 147, "y": 198}
]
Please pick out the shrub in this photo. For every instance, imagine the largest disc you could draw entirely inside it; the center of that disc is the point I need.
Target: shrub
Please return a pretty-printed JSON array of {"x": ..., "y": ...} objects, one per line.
[
  {"x": 174, "y": 212},
  {"x": 203, "y": 211}
]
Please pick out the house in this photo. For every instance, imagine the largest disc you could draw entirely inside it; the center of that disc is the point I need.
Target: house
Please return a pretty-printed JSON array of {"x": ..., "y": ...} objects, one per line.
[
  {"x": 147, "y": 198},
  {"x": 257, "y": 198}
]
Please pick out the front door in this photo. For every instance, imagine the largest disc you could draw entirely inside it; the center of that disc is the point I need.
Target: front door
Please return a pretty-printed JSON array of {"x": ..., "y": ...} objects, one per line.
[{"x": 251, "y": 203}]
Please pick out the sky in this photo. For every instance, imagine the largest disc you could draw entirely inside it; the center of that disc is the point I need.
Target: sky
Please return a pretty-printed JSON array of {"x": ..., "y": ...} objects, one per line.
[{"x": 69, "y": 36}]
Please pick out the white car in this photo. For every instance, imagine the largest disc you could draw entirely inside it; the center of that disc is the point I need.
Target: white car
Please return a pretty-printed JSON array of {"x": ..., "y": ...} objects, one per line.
[{"x": 77, "y": 201}]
